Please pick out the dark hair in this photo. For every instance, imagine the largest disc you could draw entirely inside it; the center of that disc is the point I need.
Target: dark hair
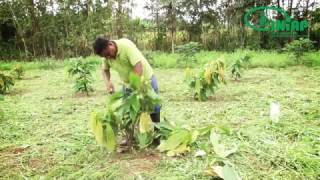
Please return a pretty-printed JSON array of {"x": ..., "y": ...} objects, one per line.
[{"x": 99, "y": 45}]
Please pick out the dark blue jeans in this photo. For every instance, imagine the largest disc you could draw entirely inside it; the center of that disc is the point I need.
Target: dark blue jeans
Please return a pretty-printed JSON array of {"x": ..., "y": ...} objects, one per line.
[{"x": 155, "y": 87}]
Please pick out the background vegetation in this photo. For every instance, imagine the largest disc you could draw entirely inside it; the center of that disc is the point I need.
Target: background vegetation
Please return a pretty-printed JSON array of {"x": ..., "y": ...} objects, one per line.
[{"x": 54, "y": 28}]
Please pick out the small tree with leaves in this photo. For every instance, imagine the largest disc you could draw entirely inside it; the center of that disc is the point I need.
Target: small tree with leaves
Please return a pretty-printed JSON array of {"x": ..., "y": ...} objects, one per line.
[
  {"x": 187, "y": 54},
  {"x": 82, "y": 71},
  {"x": 6, "y": 82},
  {"x": 238, "y": 65},
  {"x": 207, "y": 80},
  {"x": 17, "y": 72},
  {"x": 298, "y": 48},
  {"x": 129, "y": 113}
]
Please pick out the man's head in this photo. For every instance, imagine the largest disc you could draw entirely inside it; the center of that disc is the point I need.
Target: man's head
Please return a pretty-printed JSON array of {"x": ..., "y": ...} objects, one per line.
[{"x": 105, "y": 48}]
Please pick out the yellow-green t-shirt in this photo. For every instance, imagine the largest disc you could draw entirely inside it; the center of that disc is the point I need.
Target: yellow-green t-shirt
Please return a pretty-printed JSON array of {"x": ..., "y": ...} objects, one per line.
[{"x": 128, "y": 55}]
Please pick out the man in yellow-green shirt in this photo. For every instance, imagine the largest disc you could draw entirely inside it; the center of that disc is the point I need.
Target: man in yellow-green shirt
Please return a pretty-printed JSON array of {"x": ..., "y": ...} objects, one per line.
[{"x": 123, "y": 56}]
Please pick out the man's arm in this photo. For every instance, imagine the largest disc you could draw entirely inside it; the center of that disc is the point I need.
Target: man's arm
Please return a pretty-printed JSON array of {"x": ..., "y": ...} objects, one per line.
[
  {"x": 106, "y": 75},
  {"x": 138, "y": 68},
  {"x": 107, "y": 79}
]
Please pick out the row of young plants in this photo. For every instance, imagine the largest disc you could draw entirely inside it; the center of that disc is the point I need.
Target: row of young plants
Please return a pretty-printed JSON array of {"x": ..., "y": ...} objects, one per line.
[{"x": 127, "y": 112}]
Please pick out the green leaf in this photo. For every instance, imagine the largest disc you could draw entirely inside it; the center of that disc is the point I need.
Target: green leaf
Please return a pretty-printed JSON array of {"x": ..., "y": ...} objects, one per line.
[
  {"x": 97, "y": 128},
  {"x": 110, "y": 138},
  {"x": 177, "y": 138},
  {"x": 144, "y": 139},
  {"x": 229, "y": 173},
  {"x": 145, "y": 123},
  {"x": 194, "y": 136},
  {"x": 134, "y": 101},
  {"x": 226, "y": 172},
  {"x": 181, "y": 149},
  {"x": 135, "y": 81},
  {"x": 218, "y": 148},
  {"x": 214, "y": 138},
  {"x": 205, "y": 130}
]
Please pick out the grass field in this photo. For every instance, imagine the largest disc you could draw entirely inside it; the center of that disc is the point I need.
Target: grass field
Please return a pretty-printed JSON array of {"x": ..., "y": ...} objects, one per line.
[{"x": 45, "y": 133}]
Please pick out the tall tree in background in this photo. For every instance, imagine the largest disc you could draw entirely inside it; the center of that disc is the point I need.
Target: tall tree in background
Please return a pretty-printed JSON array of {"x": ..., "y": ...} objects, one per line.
[{"x": 57, "y": 28}]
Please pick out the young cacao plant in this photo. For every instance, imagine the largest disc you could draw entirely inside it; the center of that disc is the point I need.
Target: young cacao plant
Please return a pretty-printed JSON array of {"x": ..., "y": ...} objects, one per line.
[
  {"x": 83, "y": 72},
  {"x": 207, "y": 80},
  {"x": 6, "y": 81},
  {"x": 17, "y": 72},
  {"x": 128, "y": 112},
  {"x": 238, "y": 65}
]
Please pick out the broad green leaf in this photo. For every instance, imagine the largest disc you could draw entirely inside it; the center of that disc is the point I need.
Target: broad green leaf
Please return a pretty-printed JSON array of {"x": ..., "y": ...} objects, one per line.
[
  {"x": 226, "y": 172},
  {"x": 219, "y": 148},
  {"x": 135, "y": 81},
  {"x": 165, "y": 127},
  {"x": 215, "y": 171},
  {"x": 179, "y": 150},
  {"x": 229, "y": 173},
  {"x": 114, "y": 101},
  {"x": 134, "y": 101},
  {"x": 97, "y": 129},
  {"x": 145, "y": 123},
  {"x": 177, "y": 138},
  {"x": 110, "y": 138},
  {"x": 205, "y": 130},
  {"x": 144, "y": 139},
  {"x": 225, "y": 153},
  {"x": 194, "y": 136}
]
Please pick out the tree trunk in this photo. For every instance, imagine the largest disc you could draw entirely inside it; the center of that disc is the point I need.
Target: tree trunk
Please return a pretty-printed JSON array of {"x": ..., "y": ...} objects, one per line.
[
  {"x": 290, "y": 7},
  {"x": 19, "y": 30},
  {"x": 35, "y": 25},
  {"x": 119, "y": 19},
  {"x": 173, "y": 26}
]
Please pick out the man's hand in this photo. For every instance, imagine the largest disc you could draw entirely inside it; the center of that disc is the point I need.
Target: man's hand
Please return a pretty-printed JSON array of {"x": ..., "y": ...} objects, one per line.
[
  {"x": 138, "y": 68},
  {"x": 110, "y": 87}
]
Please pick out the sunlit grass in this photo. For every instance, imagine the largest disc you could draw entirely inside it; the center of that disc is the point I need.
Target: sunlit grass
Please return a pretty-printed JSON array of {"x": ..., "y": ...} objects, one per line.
[{"x": 45, "y": 133}]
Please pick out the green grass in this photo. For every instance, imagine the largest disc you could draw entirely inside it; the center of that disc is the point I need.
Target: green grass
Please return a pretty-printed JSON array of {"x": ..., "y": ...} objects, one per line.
[
  {"x": 45, "y": 133},
  {"x": 271, "y": 59},
  {"x": 44, "y": 64},
  {"x": 312, "y": 59}
]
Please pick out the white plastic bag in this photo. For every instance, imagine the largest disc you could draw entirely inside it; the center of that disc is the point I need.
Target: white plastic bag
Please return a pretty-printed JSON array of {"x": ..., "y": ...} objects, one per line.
[{"x": 275, "y": 112}]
